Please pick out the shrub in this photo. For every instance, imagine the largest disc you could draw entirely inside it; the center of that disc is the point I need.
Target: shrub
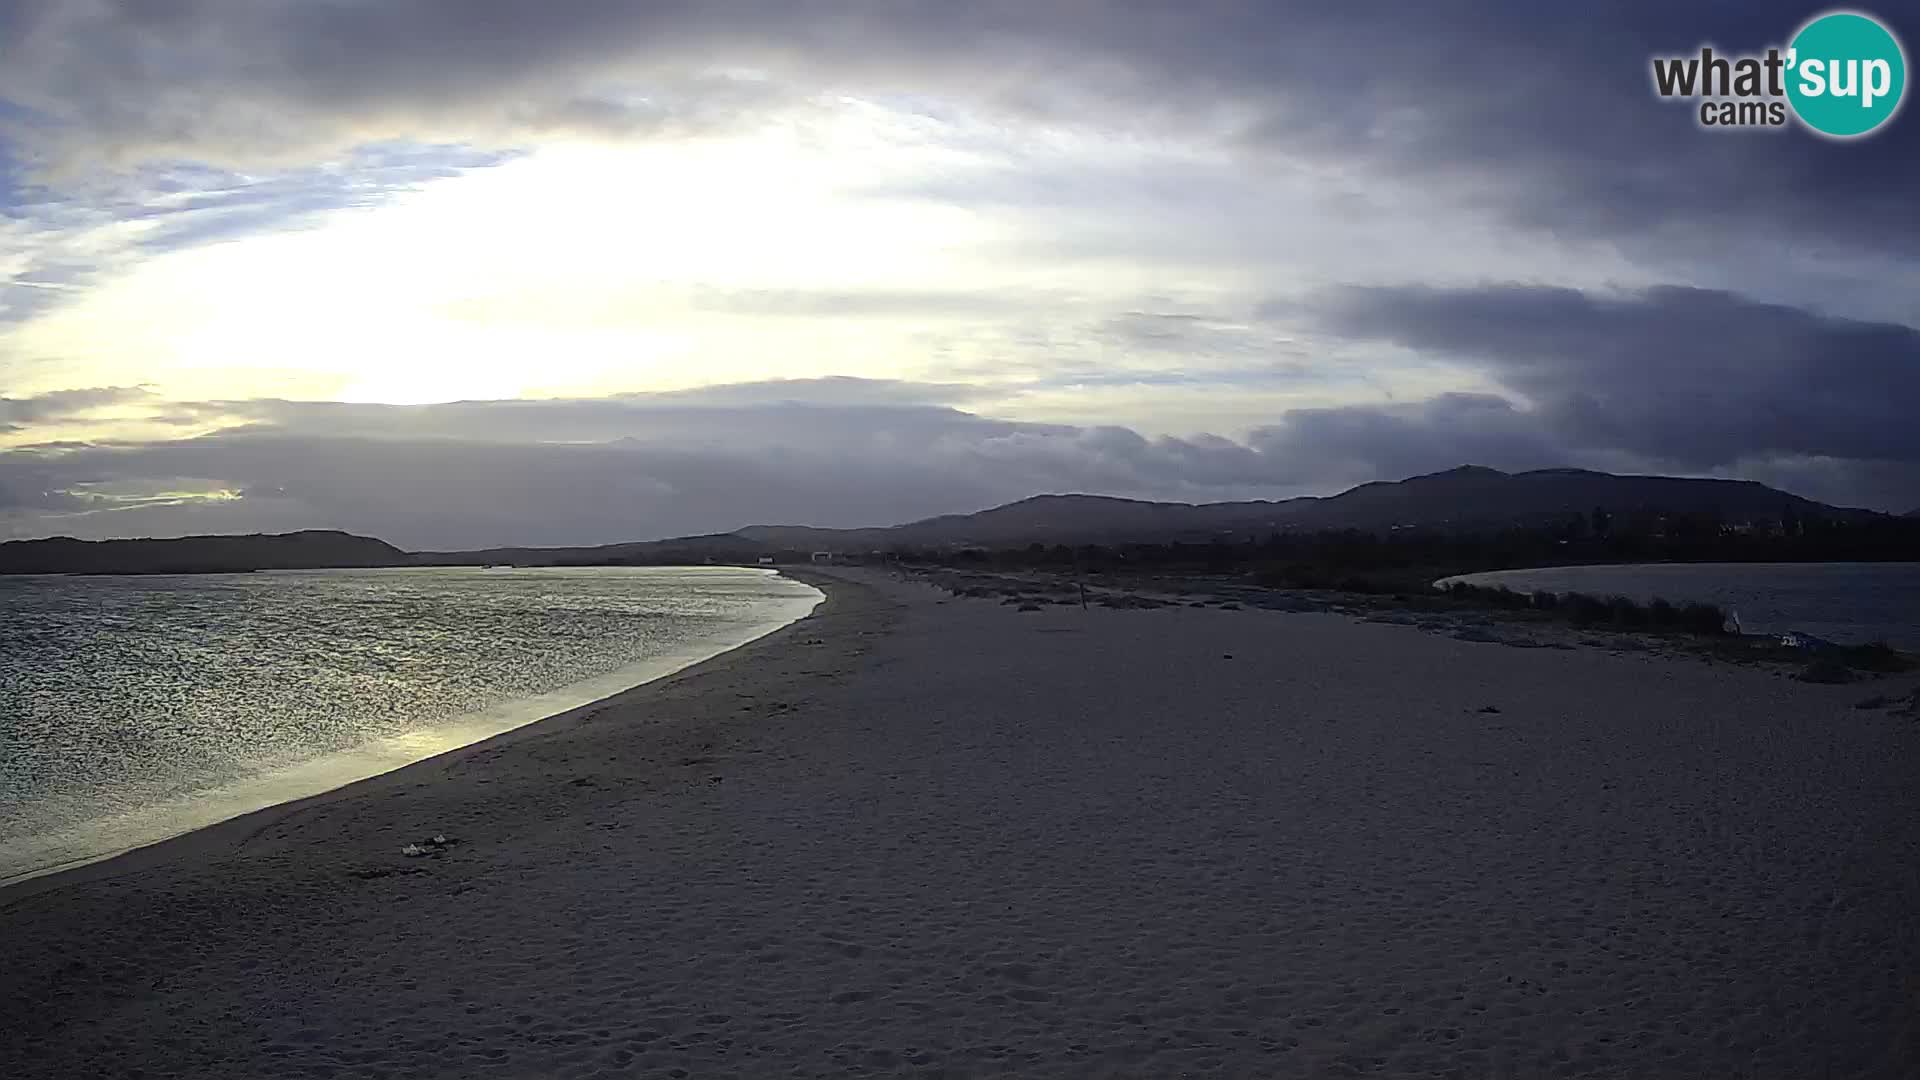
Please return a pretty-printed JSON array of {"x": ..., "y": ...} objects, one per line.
[
  {"x": 1585, "y": 609},
  {"x": 1490, "y": 595},
  {"x": 1624, "y": 612},
  {"x": 1878, "y": 657},
  {"x": 1702, "y": 619}
]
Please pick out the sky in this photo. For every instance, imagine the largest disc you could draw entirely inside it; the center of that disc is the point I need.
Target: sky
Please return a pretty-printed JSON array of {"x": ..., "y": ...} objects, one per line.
[{"x": 460, "y": 273}]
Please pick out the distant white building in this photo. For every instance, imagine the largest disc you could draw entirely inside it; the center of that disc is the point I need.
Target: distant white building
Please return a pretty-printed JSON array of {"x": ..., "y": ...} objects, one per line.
[
  {"x": 766, "y": 560},
  {"x": 823, "y": 556}
]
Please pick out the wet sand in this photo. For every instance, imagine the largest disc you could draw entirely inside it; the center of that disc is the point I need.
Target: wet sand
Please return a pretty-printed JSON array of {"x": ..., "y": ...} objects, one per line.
[{"x": 921, "y": 835}]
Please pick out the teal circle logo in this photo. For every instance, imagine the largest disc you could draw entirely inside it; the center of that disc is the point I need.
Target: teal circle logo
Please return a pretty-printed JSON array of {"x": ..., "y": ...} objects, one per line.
[{"x": 1846, "y": 74}]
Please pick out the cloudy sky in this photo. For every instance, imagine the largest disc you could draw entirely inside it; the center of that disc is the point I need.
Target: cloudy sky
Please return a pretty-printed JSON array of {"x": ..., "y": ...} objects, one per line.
[{"x": 466, "y": 272}]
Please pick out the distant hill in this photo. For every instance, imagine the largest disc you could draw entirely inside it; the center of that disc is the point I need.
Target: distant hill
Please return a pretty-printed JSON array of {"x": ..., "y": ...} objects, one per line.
[
  {"x": 1473, "y": 496},
  {"x": 1463, "y": 499},
  {"x": 680, "y": 549},
  {"x": 315, "y": 549},
  {"x": 1040, "y": 519},
  {"x": 1466, "y": 498}
]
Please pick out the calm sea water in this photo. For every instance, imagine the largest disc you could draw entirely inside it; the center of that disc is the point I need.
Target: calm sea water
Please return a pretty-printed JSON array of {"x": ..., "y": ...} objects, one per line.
[
  {"x": 1852, "y": 603},
  {"x": 136, "y": 708}
]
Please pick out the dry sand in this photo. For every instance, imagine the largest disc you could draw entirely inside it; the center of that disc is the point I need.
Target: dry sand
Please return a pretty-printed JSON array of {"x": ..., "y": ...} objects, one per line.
[{"x": 930, "y": 836}]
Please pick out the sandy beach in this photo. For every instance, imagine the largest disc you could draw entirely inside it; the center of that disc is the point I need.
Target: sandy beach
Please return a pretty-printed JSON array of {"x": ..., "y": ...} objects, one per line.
[{"x": 916, "y": 834}]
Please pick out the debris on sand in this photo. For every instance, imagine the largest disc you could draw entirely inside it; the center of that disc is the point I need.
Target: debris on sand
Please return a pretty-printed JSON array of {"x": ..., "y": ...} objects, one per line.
[
  {"x": 435, "y": 845},
  {"x": 374, "y": 873}
]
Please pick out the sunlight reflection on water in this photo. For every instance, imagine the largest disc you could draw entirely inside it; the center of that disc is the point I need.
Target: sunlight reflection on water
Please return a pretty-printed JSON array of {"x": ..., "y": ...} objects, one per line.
[{"x": 135, "y": 708}]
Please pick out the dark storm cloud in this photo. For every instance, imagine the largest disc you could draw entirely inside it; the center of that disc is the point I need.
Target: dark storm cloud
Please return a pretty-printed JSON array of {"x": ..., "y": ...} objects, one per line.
[
  {"x": 612, "y": 469},
  {"x": 1552, "y": 107},
  {"x": 1360, "y": 443},
  {"x": 642, "y": 466},
  {"x": 831, "y": 452},
  {"x": 1543, "y": 111},
  {"x": 1692, "y": 378}
]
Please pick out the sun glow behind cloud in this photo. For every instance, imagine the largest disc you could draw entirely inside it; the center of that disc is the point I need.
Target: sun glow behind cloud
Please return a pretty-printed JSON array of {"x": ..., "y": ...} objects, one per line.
[
  {"x": 579, "y": 268},
  {"x": 878, "y": 238}
]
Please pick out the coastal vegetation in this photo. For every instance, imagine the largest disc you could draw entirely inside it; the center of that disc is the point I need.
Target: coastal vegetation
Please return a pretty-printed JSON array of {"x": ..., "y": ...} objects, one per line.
[
  {"x": 1396, "y": 560},
  {"x": 1402, "y": 570}
]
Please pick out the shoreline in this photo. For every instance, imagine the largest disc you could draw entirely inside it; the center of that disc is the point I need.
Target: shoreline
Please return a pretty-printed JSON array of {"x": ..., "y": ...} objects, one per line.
[
  {"x": 22, "y": 885},
  {"x": 945, "y": 836},
  {"x": 1794, "y": 602}
]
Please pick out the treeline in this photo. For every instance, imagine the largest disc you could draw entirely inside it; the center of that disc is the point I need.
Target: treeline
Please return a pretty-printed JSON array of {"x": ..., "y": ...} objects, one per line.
[
  {"x": 1584, "y": 610},
  {"x": 1360, "y": 561}
]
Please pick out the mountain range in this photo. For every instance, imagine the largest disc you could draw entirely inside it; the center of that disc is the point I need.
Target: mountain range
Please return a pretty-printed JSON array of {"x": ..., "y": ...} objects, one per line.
[{"x": 1464, "y": 499}]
